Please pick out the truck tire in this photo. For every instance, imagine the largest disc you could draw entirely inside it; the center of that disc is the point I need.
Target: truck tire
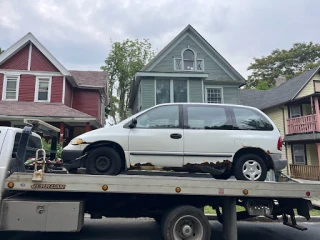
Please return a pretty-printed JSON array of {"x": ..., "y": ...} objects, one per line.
[
  {"x": 250, "y": 167},
  {"x": 185, "y": 222},
  {"x": 103, "y": 161}
]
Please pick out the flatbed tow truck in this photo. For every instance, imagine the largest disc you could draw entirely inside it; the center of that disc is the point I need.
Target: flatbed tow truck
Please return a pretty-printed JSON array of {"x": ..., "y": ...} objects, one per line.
[{"x": 49, "y": 199}]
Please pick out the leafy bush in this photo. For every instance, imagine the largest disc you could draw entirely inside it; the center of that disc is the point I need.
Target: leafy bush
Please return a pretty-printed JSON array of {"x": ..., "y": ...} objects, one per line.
[{"x": 47, "y": 147}]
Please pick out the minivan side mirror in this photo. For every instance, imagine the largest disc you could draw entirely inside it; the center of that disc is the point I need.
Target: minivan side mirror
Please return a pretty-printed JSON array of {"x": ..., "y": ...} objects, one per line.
[{"x": 133, "y": 123}]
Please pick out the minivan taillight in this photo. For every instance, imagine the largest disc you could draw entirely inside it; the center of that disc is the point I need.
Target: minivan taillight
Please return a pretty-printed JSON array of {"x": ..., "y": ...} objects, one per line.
[{"x": 279, "y": 144}]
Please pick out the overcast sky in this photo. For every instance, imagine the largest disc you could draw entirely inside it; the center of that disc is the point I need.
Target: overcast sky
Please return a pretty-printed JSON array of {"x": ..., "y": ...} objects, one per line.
[{"x": 78, "y": 32}]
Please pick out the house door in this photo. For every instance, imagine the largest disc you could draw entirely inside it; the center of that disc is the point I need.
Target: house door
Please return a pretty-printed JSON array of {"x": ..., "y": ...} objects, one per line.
[{"x": 157, "y": 138}]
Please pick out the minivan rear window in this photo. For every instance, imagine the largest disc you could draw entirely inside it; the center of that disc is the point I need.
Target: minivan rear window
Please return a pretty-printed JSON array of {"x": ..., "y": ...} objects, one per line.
[{"x": 249, "y": 119}]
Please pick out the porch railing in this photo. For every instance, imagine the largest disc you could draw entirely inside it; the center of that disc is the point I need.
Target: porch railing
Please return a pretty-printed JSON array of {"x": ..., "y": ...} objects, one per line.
[
  {"x": 303, "y": 124},
  {"x": 305, "y": 172}
]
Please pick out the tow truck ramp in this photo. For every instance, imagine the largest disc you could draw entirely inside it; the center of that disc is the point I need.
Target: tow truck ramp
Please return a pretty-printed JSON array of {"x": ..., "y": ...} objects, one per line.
[{"x": 161, "y": 185}]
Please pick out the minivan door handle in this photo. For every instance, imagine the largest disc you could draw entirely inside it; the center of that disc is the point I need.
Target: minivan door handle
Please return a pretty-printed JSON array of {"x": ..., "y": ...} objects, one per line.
[{"x": 176, "y": 135}]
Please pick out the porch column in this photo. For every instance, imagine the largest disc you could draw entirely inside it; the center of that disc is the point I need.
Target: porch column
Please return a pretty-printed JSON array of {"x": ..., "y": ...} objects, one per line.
[
  {"x": 61, "y": 131},
  {"x": 316, "y": 106},
  {"x": 318, "y": 149},
  {"x": 88, "y": 127}
]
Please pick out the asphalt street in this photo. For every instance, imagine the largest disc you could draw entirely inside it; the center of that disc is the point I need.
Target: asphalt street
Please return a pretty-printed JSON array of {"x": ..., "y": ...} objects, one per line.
[{"x": 146, "y": 229}]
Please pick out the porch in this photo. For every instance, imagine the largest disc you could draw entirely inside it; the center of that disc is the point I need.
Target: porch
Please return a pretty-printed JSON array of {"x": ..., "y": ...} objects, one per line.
[
  {"x": 304, "y": 160},
  {"x": 305, "y": 172},
  {"x": 304, "y": 117}
]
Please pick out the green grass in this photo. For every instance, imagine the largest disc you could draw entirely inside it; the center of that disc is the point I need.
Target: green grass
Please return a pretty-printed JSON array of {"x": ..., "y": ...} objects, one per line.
[{"x": 209, "y": 210}]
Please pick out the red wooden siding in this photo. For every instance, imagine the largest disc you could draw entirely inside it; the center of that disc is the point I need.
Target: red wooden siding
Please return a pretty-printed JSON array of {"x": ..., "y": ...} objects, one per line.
[
  {"x": 27, "y": 88},
  {"x": 56, "y": 89},
  {"x": 40, "y": 63},
  {"x": 87, "y": 101},
  {"x": 18, "y": 61},
  {"x": 68, "y": 94},
  {"x": 1, "y": 84}
]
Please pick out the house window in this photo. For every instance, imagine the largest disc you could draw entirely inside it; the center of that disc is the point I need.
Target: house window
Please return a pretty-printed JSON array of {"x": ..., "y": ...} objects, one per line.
[
  {"x": 180, "y": 91},
  {"x": 171, "y": 91},
  {"x": 188, "y": 60},
  {"x": 163, "y": 91},
  {"x": 11, "y": 88},
  {"x": 43, "y": 89},
  {"x": 295, "y": 111},
  {"x": 298, "y": 152},
  {"x": 200, "y": 66},
  {"x": 177, "y": 64},
  {"x": 213, "y": 95}
]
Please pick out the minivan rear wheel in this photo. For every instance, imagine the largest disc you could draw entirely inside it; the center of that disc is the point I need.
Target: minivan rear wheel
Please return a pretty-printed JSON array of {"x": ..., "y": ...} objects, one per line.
[{"x": 250, "y": 167}]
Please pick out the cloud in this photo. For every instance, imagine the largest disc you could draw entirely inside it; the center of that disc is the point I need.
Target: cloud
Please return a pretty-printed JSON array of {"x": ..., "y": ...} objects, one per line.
[{"x": 78, "y": 32}]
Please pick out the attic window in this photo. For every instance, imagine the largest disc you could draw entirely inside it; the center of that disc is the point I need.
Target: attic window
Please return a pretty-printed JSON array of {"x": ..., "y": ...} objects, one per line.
[
  {"x": 188, "y": 60},
  {"x": 199, "y": 65},
  {"x": 43, "y": 89}
]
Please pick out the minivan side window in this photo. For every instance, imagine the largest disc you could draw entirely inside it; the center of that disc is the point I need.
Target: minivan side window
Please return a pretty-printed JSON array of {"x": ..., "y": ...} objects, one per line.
[
  {"x": 248, "y": 119},
  {"x": 160, "y": 117},
  {"x": 207, "y": 117}
]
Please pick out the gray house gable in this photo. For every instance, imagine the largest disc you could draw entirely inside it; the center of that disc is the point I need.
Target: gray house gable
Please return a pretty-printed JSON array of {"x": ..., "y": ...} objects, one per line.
[
  {"x": 188, "y": 69},
  {"x": 211, "y": 61}
]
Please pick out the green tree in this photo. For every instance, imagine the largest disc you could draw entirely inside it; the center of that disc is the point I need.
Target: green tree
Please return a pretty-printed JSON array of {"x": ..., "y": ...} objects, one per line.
[
  {"x": 281, "y": 62},
  {"x": 124, "y": 60}
]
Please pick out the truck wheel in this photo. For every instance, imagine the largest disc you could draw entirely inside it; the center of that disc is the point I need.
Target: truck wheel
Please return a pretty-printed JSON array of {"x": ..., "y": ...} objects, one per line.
[
  {"x": 103, "y": 161},
  {"x": 250, "y": 167},
  {"x": 185, "y": 223}
]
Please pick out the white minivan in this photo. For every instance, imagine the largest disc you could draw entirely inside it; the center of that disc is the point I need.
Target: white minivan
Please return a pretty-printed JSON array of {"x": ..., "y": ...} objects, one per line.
[{"x": 220, "y": 139}]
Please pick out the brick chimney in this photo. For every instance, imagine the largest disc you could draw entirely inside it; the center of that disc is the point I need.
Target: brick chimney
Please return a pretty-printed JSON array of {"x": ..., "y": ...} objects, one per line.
[{"x": 280, "y": 80}]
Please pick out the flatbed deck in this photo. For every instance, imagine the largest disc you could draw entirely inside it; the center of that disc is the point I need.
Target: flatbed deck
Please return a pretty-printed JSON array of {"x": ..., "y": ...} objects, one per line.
[{"x": 144, "y": 184}]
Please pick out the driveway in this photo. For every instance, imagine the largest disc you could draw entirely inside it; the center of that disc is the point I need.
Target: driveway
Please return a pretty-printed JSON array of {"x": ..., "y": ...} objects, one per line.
[{"x": 145, "y": 229}]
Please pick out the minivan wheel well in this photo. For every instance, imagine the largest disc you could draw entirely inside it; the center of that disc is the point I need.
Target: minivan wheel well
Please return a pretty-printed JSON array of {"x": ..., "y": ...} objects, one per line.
[
  {"x": 257, "y": 151},
  {"x": 113, "y": 145}
]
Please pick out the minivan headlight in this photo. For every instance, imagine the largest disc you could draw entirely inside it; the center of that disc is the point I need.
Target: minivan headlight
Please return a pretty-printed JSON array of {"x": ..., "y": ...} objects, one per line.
[{"x": 76, "y": 141}]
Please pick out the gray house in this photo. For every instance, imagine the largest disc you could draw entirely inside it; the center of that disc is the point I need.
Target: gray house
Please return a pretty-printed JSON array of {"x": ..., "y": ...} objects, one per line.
[{"x": 188, "y": 69}]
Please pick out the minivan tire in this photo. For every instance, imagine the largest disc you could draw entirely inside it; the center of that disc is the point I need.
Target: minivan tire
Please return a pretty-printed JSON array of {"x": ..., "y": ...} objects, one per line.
[
  {"x": 103, "y": 161},
  {"x": 250, "y": 160}
]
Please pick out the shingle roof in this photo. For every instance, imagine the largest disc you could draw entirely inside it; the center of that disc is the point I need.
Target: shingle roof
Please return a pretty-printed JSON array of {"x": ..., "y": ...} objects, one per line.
[
  {"x": 36, "y": 109},
  {"x": 90, "y": 78},
  {"x": 285, "y": 92}
]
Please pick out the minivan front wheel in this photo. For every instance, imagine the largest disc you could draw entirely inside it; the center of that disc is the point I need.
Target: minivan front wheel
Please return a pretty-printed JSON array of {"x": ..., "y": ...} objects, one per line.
[
  {"x": 103, "y": 161},
  {"x": 250, "y": 167}
]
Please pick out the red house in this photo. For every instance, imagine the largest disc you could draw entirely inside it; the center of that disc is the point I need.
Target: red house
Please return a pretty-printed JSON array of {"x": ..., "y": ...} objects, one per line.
[{"x": 34, "y": 84}]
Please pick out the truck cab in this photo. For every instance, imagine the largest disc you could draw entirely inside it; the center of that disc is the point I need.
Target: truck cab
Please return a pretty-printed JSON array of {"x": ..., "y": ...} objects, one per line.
[{"x": 9, "y": 143}]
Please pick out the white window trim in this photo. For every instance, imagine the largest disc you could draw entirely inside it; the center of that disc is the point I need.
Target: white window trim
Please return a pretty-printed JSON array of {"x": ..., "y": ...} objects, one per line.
[
  {"x": 175, "y": 66},
  {"x": 37, "y": 89},
  {"x": 63, "y": 89},
  {"x": 198, "y": 59},
  {"x": 194, "y": 61},
  {"x": 213, "y": 87},
  {"x": 4, "y": 87},
  {"x": 171, "y": 91}
]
